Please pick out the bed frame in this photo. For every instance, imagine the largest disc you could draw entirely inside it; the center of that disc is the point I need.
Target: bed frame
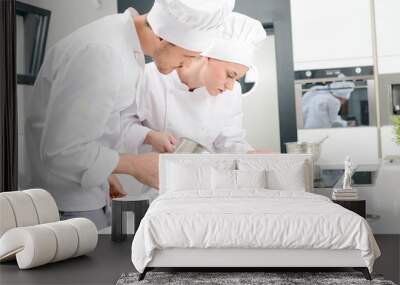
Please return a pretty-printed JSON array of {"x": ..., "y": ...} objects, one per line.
[
  {"x": 237, "y": 257},
  {"x": 248, "y": 259},
  {"x": 260, "y": 259}
]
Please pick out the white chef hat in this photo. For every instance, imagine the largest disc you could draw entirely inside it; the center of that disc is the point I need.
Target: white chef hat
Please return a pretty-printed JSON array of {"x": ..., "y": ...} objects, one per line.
[
  {"x": 342, "y": 89},
  {"x": 237, "y": 40},
  {"x": 190, "y": 24}
]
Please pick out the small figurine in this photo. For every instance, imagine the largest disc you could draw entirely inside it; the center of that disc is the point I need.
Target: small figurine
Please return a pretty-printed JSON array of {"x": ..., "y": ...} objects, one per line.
[{"x": 348, "y": 172}]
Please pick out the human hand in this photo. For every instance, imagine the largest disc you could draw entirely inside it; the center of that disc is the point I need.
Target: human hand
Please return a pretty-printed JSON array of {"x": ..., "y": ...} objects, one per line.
[
  {"x": 161, "y": 141},
  {"x": 144, "y": 167},
  {"x": 116, "y": 189}
]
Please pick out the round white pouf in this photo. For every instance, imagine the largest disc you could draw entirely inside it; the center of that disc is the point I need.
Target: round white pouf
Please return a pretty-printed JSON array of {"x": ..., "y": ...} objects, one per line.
[
  {"x": 7, "y": 218},
  {"x": 23, "y": 208},
  {"x": 40, "y": 244},
  {"x": 87, "y": 234},
  {"x": 67, "y": 240},
  {"x": 33, "y": 246},
  {"x": 46, "y": 207}
]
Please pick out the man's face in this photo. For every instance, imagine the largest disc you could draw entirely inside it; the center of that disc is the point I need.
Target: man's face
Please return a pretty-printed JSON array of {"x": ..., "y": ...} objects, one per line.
[{"x": 168, "y": 57}]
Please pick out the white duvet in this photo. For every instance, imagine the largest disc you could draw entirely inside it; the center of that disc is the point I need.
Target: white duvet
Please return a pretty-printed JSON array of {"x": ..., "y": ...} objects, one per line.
[{"x": 252, "y": 218}]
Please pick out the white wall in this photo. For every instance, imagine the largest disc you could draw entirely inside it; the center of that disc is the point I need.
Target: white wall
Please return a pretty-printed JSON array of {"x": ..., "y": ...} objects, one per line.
[
  {"x": 260, "y": 107},
  {"x": 331, "y": 33},
  {"x": 66, "y": 16},
  {"x": 383, "y": 200},
  {"x": 387, "y": 32}
]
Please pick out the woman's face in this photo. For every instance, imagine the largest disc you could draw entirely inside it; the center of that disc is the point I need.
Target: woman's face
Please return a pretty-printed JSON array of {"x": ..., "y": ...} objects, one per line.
[{"x": 219, "y": 76}]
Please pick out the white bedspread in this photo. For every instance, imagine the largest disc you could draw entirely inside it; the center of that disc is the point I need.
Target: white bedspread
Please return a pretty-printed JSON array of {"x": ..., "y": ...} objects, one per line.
[{"x": 250, "y": 219}]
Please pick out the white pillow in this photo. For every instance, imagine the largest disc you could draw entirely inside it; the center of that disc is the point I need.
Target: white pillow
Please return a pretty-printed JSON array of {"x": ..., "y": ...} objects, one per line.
[
  {"x": 188, "y": 177},
  {"x": 224, "y": 179},
  {"x": 293, "y": 180},
  {"x": 282, "y": 173},
  {"x": 227, "y": 179},
  {"x": 252, "y": 178}
]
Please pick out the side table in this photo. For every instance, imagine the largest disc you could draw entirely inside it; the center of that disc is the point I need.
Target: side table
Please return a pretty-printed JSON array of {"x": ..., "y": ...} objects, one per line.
[
  {"x": 357, "y": 206},
  {"x": 136, "y": 204}
]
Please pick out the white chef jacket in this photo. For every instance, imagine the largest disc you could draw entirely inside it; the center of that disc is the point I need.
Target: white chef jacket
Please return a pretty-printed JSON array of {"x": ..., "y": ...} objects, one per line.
[
  {"x": 166, "y": 104},
  {"x": 320, "y": 110},
  {"x": 74, "y": 129}
]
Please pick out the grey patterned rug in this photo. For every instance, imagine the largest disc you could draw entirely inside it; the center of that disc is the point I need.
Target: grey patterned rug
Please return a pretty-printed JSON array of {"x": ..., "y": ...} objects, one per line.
[{"x": 243, "y": 278}]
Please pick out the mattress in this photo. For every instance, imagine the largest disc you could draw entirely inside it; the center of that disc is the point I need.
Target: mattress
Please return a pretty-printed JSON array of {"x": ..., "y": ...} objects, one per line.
[{"x": 251, "y": 219}]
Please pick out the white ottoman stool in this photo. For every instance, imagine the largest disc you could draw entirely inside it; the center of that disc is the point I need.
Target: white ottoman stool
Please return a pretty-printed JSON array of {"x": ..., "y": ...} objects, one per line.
[{"x": 31, "y": 233}]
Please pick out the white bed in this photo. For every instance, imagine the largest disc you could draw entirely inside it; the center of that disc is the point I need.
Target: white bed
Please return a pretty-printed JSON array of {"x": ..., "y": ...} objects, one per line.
[{"x": 194, "y": 223}]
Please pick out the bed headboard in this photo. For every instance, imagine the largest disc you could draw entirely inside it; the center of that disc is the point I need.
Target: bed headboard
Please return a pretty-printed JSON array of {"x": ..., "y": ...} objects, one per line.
[{"x": 231, "y": 161}]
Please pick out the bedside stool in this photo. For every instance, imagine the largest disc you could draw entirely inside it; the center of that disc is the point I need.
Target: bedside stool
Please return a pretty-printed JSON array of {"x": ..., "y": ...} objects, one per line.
[
  {"x": 136, "y": 204},
  {"x": 357, "y": 206}
]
